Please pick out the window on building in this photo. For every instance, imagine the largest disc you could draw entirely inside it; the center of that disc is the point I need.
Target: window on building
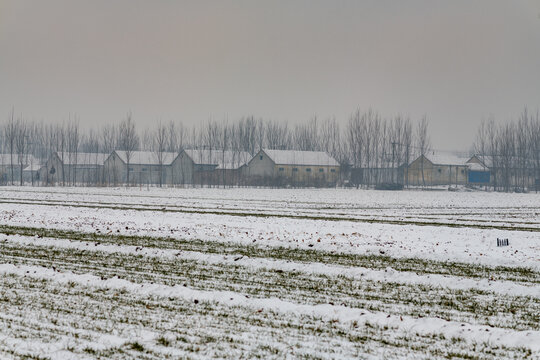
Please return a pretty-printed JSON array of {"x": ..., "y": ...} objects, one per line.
[
  {"x": 281, "y": 169},
  {"x": 130, "y": 169},
  {"x": 321, "y": 170},
  {"x": 295, "y": 169},
  {"x": 260, "y": 157},
  {"x": 332, "y": 170},
  {"x": 463, "y": 171},
  {"x": 308, "y": 169},
  {"x": 439, "y": 170},
  {"x": 144, "y": 169}
]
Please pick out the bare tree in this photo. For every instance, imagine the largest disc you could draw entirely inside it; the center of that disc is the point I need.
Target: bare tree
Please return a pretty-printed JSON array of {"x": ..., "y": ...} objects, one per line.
[
  {"x": 10, "y": 134},
  {"x": 225, "y": 146},
  {"x": 247, "y": 132},
  {"x": 423, "y": 142},
  {"x": 21, "y": 143},
  {"x": 535, "y": 149},
  {"x": 372, "y": 134},
  {"x": 277, "y": 135},
  {"x": 522, "y": 131},
  {"x": 407, "y": 147},
  {"x": 261, "y": 129},
  {"x": 176, "y": 141},
  {"x": 128, "y": 141},
  {"x": 493, "y": 150},
  {"x": 109, "y": 138},
  {"x": 73, "y": 139},
  {"x": 330, "y": 141},
  {"x": 396, "y": 135},
  {"x": 306, "y": 136},
  {"x": 34, "y": 143},
  {"x": 159, "y": 142},
  {"x": 61, "y": 149},
  {"x": 506, "y": 144}
]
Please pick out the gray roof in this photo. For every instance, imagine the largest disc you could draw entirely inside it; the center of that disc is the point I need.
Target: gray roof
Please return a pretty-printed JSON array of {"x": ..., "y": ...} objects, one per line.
[
  {"x": 513, "y": 161},
  {"x": 146, "y": 157},
  {"x": 477, "y": 167},
  {"x": 221, "y": 159},
  {"x": 80, "y": 158},
  {"x": 296, "y": 157},
  {"x": 33, "y": 167},
  {"x": 439, "y": 158},
  {"x": 5, "y": 159}
]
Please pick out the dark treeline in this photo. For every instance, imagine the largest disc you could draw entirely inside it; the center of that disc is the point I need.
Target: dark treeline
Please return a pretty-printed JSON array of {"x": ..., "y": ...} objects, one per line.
[{"x": 367, "y": 140}]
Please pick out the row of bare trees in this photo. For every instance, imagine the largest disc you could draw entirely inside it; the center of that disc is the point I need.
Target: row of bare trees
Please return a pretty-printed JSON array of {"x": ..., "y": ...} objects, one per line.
[
  {"x": 367, "y": 141},
  {"x": 18, "y": 141},
  {"x": 512, "y": 151},
  {"x": 379, "y": 146}
]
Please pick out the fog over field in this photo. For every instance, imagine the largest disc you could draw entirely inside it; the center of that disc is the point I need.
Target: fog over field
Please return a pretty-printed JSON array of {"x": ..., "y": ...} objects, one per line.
[
  {"x": 456, "y": 62},
  {"x": 238, "y": 179}
]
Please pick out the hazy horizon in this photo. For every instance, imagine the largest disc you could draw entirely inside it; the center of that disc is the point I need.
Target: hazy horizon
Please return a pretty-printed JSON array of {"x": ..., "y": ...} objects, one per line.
[{"x": 456, "y": 62}]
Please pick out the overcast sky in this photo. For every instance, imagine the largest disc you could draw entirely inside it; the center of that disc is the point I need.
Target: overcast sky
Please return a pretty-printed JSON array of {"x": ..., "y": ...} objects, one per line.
[{"x": 455, "y": 61}]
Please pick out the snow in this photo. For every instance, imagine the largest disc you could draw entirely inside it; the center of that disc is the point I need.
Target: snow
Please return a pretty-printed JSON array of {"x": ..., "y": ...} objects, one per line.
[
  {"x": 6, "y": 159},
  {"x": 354, "y": 273},
  {"x": 528, "y": 339},
  {"x": 268, "y": 273},
  {"x": 80, "y": 158},
  {"x": 441, "y": 158},
  {"x": 222, "y": 159},
  {"x": 365, "y": 236},
  {"x": 33, "y": 167},
  {"x": 477, "y": 167},
  {"x": 146, "y": 157},
  {"x": 296, "y": 157}
]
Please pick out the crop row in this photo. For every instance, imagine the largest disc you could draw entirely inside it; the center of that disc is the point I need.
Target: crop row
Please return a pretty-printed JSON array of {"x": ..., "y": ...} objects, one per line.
[
  {"x": 77, "y": 317},
  {"x": 417, "y": 300},
  {"x": 260, "y": 250}
]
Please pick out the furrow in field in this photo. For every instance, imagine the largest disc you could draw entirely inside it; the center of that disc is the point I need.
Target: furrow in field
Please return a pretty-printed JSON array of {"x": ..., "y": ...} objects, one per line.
[
  {"x": 259, "y": 327},
  {"x": 209, "y": 198},
  {"x": 263, "y": 273},
  {"x": 468, "y": 305},
  {"x": 474, "y": 246},
  {"x": 351, "y": 272},
  {"x": 294, "y": 214},
  {"x": 294, "y": 199},
  {"x": 260, "y": 250}
]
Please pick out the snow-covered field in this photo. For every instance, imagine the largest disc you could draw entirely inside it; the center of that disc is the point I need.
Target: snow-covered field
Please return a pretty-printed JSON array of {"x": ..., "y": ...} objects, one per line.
[{"x": 230, "y": 273}]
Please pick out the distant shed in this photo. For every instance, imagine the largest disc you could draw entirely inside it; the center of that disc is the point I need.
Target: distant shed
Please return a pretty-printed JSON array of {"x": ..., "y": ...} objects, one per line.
[
  {"x": 479, "y": 170},
  {"x": 144, "y": 167},
  {"x": 209, "y": 166},
  {"x": 438, "y": 169},
  {"x": 74, "y": 167},
  {"x": 292, "y": 167}
]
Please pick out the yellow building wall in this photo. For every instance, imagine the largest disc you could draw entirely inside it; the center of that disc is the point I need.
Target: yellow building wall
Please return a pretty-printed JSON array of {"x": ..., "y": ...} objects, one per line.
[
  {"x": 303, "y": 175},
  {"x": 436, "y": 174}
]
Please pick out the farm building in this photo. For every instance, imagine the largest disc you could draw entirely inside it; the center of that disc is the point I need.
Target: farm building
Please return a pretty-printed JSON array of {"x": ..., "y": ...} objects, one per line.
[
  {"x": 74, "y": 168},
  {"x": 478, "y": 172},
  {"x": 510, "y": 173},
  {"x": 140, "y": 167},
  {"x": 10, "y": 168},
  {"x": 437, "y": 169},
  {"x": 292, "y": 167},
  {"x": 32, "y": 172},
  {"x": 209, "y": 167}
]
